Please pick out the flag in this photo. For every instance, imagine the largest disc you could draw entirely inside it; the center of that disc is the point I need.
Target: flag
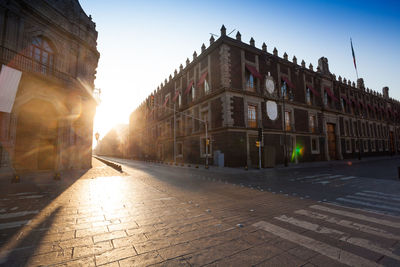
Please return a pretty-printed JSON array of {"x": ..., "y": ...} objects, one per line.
[
  {"x": 166, "y": 100},
  {"x": 9, "y": 82},
  {"x": 354, "y": 56}
]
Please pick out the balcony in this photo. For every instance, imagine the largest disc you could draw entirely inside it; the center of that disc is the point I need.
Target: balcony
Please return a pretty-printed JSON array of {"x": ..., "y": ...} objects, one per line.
[{"x": 21, "y": 62}]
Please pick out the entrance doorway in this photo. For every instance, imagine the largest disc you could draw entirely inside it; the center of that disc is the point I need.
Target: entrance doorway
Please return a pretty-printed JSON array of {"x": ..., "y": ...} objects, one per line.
[
  {"x": 36, "y": 136},
  {"x": 331, "y": 141}
]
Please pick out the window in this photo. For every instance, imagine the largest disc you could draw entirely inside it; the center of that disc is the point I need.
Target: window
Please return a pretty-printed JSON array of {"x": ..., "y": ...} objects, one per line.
[
  {"x": 41, "y": 52},
  {"x": 179, "y": 100},
  {"x": 284, "y": 90},
  {"x": 325, "y": 98},
  {"x": 193, "y": 93},
  {"x": 206, "y": 88},
  {"x": 189, "y": 125},
  {"x": 308, "y": 96},
  {"x": 346, "y": 128},
  {"x": 356, "y": 146},
  {"x": 348, "y": 146},
  {"x": 342, "y": 104},
  {"x": 313, "y": 123},
  {"x": 179, "y": 149},
  {"x": 250, "y": 82},
  {"x": 203, "y": 147},
  {"x": 288, "y": 123},
  {"x": 252, "y": 116},
  {"x": 314, "y": 145},
  {"x": 365, "y": 142},
  {"x": 380, "y": 146}
]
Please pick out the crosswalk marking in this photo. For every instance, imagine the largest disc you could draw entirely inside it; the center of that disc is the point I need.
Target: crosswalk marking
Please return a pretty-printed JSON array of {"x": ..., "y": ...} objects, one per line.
[
  {"x": 325, "y": 179},
  {"x": 361, "y": 242},
  {"x": 349, "y": 224},
  {"x": 378, "y": 196},
  {"x": 380, "y": 193},
  {"x": 315, "y": 245},
  {"x": 374, "y": 200},
  {"x": 368, "y": 204},
  {"x": 10, "y": 225},
  {"x": 356, "y": 216},
  {"x": 17, "y": 214}
]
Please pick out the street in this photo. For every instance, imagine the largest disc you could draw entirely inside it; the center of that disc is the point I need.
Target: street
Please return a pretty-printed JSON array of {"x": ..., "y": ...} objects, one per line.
[{"x": 328, "y": 214}]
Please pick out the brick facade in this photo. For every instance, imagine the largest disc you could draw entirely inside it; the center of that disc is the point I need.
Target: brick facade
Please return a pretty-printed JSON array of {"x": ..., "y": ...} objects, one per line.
[
  {"x": 54, "y": 45},
  {"x": 322, "y": 110}
]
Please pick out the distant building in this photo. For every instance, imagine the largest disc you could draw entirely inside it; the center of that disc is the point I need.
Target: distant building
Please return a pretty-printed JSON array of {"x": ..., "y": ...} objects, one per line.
[
  {"x": 53, "y": 44},
  {"x": 304, "y": 114},
  {"x": 114, "y": 143}
]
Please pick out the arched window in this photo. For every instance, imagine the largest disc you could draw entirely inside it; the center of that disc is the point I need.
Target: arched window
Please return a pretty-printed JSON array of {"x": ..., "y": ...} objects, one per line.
[{"x": 42, "y": 52}]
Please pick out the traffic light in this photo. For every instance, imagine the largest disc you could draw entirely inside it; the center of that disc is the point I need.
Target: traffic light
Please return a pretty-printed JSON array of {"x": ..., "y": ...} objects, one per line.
[{"x": 152, "y": 101}]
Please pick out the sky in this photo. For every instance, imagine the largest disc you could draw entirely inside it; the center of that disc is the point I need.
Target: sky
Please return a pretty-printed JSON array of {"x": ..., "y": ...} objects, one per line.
[{"x": 142, "y": 42}]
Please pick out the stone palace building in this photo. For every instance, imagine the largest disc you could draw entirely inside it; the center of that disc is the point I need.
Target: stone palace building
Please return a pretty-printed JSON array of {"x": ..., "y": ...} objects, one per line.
[
  {"x": 239, "y": 89},
  {"x": 51, "y": 46}
]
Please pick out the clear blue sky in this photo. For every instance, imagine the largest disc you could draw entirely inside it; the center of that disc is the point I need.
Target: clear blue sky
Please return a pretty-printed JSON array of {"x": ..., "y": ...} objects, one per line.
[{"x": 142, "y": 42}]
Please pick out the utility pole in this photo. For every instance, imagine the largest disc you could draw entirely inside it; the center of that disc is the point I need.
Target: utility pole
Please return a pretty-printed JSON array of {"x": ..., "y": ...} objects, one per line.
[
  {"x": 174, "y": 135},
  {"x": 284, "y": 125},
  {"x": 207, "y": 143}
]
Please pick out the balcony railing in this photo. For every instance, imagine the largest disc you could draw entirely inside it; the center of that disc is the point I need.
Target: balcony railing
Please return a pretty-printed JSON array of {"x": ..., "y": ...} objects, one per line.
[{"x": 19, "y": 61}]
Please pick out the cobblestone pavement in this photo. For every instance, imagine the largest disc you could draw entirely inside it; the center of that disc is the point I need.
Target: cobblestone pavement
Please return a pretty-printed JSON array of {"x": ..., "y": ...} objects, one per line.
[{"x": 163, "y": 216}]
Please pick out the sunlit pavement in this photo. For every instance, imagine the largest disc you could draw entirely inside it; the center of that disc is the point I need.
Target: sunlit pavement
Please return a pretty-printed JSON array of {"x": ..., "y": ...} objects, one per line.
[{"x": 172, "y": 216}]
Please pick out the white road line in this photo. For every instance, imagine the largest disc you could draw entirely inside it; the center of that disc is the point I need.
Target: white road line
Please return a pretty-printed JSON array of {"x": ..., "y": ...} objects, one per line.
[
  {"x": 349, "y": 224},
  {"x": 356, "y": 216},
  {"x": 360, "y": 242},
  {"x": 375, "y": 200},
  {"x": 317, "y": 246},
  {"x": 315, "y": 176},
  {"x": 12, "y": 224},
  {"x": 348, "y": 178},
  {"x": 380, "y": 193},
  {"x": 368, "y": 204},
  {"x": 378, "y": 196},
  {"x": 33, "y": 196},
  {"x": 328, "y": 178},
  {"x": 18, "y": 214}
]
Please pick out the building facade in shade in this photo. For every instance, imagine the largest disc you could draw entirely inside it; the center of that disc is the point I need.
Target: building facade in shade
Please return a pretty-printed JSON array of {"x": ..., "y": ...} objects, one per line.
[
  {"x": 304, "y": 114},
  {"x": 54, "y": 45}
]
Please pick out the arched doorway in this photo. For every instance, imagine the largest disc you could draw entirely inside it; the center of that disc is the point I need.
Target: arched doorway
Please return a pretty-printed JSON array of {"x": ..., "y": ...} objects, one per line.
[{"x": 36, "y": 136}]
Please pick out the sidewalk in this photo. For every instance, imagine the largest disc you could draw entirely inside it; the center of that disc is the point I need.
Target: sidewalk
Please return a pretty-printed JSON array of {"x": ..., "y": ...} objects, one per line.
[{"x": 301, "y": 165}]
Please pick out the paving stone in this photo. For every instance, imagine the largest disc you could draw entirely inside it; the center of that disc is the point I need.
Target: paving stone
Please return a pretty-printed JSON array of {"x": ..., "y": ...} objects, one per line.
[
  {"x": 76, "y": 242},
  {"x": 109, "y": 236},
  {"x": 92, "y": 249},
  {"x": 50, "y": 258},
  {"x": 91, "y": 231},
  {"x": 172, "y": 263},
  {"x": 151, "y": 245},
  {"x": 176, "y": 250},
  {"x": 129, "y": 241},
  {"x": 212, "y": 254},
  {"x": 283, "y": 259},
  {"x": 83, "y": 262},
  {"x": 141, "y": 260},
  {"x": 115, "y": 255},
  {"x": 250, "y": 257}
]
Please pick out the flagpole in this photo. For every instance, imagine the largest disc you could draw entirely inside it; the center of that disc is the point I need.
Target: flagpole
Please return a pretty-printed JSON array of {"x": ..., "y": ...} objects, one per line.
[{"x": 358, "y": 128}]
